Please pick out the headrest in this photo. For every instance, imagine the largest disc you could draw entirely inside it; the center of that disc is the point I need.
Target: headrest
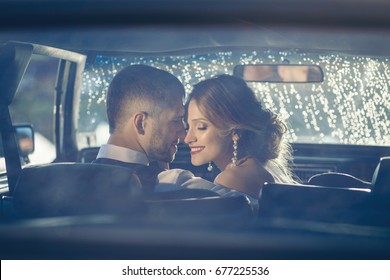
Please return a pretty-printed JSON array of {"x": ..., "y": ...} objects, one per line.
[
  {"x": 77, "y": 188},
  {"x": 335, "y": 179},
  {"x": 381, "y": 179}
]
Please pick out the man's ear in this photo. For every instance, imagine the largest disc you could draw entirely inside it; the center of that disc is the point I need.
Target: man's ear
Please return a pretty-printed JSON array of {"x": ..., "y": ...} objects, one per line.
[{"x": 139, "y": 122}]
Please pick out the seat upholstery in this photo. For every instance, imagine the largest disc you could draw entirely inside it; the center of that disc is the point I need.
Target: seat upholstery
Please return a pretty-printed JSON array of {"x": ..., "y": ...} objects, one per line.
[
  {"x": 76, "y": 189},
  {"x": 381, "y": 179},
  {"x": 335, "y": 179},
  {"x": 181, "y": 194},
  {"x": 314, "y": 203},
  {"x": 209, "y": 209},
  {"x": 331, "y": 197}
]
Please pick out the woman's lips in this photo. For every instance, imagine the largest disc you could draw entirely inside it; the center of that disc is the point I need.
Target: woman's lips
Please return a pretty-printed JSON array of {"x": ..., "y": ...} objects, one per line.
[{"x": 196, "y": 150}]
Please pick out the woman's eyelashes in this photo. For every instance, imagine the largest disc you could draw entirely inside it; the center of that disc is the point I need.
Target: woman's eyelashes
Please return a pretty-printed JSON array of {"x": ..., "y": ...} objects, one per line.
[
  {"x": 201, "y": 127},
  {"x": 195, "y": 126}
]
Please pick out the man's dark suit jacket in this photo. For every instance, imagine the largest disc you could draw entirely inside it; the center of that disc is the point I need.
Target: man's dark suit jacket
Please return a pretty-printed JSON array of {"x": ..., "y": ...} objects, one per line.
[{"x": 146, "y": 174}]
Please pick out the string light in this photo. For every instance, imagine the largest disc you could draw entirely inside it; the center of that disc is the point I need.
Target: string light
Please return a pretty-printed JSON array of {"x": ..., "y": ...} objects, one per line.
[{"x": 350, "y": 106}]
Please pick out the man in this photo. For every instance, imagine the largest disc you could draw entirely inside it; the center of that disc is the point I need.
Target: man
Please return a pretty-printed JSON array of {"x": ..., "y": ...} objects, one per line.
[{"x": 145, "y": 113}]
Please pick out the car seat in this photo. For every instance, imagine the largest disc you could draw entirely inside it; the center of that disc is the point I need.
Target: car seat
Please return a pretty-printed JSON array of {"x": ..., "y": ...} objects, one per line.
[
  {"x": 62, "y": 189},
  {"x": 312, "y": 203},
  {"x": 381, "y": 179},
  {"x": 335, "y": 179}
]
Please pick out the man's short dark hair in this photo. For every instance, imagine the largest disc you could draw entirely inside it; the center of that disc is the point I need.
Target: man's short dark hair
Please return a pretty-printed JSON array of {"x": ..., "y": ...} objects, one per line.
[{"x": 141, "y": 88}]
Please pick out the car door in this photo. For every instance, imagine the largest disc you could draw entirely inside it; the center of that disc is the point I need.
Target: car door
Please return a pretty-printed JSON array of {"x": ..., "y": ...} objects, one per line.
[{"x": 39, "y": 84}]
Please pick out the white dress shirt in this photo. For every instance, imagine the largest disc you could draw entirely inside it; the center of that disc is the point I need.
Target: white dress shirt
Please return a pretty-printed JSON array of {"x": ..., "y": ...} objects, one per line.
[{"x": 122, "y": 154}]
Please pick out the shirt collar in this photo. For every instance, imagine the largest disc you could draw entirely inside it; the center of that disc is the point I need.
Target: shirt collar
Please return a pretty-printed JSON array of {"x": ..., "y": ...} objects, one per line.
[{"x": 122, "y": 154}]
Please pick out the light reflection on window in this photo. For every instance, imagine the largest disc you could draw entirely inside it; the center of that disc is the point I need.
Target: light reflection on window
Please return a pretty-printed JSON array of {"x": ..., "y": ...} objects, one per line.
[{"x": 351, "y": 105}]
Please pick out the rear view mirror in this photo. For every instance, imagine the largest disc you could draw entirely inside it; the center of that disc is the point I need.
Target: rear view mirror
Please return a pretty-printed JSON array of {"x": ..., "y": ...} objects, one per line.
[{"x": 280, "y": 73}]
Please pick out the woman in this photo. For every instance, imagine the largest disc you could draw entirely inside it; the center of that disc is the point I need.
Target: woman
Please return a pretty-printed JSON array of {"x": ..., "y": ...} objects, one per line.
[{"x": 228, "y": 126}]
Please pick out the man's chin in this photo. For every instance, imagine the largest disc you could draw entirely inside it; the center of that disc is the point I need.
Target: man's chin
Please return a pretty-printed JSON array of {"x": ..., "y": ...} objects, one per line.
[
  {"x": 167, "y": 159},
  {"x": 172, "y": 158},
  {"x": 173, "y": 154},
  {"x": 198, "y": 163}
]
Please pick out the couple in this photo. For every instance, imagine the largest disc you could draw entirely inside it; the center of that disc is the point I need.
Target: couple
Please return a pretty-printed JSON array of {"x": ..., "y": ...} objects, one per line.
[{"x": 225, "y": 125}]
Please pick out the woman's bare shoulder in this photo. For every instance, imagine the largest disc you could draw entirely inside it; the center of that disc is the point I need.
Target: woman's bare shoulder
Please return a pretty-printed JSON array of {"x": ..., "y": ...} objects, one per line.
[{"x": 247, "y": 178}]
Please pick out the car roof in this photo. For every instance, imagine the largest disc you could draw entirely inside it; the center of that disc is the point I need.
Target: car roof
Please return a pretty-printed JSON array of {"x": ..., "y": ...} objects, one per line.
[
  {"x": 356, "y": 26},
  {"x": 348, "y": 12},
  {"x": 147, "y": 39}
]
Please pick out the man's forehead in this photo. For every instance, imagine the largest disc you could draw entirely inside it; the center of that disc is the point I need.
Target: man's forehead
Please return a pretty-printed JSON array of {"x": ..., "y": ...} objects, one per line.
[
  {"x": 180, "y": 112},
  {"x": 178, "y": 104}
]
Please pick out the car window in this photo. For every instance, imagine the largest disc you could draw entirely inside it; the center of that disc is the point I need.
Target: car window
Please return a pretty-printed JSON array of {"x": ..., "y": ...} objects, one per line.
[
  {"x": 350, "y": 106},
  {"x": 33, "y": 104}
]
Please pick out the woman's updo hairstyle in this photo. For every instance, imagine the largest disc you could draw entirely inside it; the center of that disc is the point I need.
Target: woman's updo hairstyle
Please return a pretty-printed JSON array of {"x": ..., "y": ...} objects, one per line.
[{"x": 229, "y": 104}]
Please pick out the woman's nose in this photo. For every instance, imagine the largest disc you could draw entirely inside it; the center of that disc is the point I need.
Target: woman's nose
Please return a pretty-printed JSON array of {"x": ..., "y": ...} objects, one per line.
[{"x": 189, "y": 138}]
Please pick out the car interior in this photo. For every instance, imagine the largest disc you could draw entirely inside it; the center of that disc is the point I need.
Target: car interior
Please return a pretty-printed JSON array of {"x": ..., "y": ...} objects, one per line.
[{"x": 70, "y": 208}]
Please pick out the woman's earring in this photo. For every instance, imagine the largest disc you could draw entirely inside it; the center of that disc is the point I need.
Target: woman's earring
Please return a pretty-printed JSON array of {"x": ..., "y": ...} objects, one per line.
[
  {"x": 235, "y": 153},
  {"x": 210, "y": 167}
]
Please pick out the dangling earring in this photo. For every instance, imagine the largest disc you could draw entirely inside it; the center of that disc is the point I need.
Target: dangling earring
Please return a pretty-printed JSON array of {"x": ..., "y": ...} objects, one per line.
[
  {"x": 235, "y": 153},
  {"x": 210, "y": 167}
]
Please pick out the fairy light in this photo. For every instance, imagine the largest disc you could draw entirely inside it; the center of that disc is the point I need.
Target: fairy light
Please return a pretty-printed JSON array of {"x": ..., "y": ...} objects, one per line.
[{"x": 350, "y": 106}]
